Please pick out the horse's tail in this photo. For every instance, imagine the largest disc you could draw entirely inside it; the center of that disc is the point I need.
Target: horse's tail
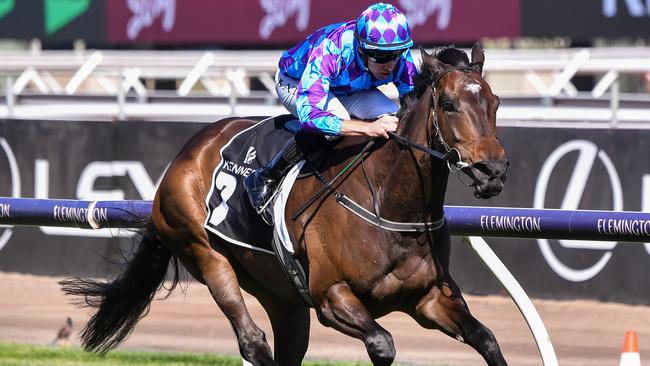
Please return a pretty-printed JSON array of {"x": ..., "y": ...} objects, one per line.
[{"x": 126, "y": 299}]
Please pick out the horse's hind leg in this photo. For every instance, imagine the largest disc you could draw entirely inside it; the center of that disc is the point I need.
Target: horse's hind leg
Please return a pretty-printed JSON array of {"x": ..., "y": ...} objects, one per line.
[
  {"x": 180, "y": 225},
  {"x": 290, "y": 323},
  {"x": 342, "y": 310},
  {"x": 445, "y": 309},
  {"x": 222, "y": 282}
]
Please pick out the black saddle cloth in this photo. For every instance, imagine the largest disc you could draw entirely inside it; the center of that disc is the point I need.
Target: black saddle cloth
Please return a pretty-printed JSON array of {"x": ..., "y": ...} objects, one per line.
[{"x": 230, "y": 214}]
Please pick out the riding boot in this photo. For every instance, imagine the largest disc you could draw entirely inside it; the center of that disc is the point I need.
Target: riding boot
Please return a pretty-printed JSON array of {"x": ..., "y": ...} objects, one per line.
[{"x": 262, "y": 183}]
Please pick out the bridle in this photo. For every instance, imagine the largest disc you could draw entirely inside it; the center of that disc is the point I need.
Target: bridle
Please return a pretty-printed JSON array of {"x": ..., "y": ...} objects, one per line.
[
  {"x": 451, "y": 155},
  {"x": 454, "y": 159}
]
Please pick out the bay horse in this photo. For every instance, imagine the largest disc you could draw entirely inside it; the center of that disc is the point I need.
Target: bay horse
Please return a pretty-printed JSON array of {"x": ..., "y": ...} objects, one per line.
[{"x": 356, "y": 271}]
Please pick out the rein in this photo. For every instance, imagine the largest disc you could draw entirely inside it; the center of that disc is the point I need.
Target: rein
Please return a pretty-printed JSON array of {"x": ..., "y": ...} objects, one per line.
[
  {"x": 329, "y": 185},
  {"x": 403, "y": 142},
  {"x": 358, "y": 210}
]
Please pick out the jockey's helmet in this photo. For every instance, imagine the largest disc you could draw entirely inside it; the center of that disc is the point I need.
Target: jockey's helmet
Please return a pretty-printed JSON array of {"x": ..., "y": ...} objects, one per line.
[{"x": 383, "y": 27}]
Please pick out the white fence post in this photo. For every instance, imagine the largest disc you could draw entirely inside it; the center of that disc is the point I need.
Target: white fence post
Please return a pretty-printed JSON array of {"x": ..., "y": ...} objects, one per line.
[{"x": 520, "y": 298}]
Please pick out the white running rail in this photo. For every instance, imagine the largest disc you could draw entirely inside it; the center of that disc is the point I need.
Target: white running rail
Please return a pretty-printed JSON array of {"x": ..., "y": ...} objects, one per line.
[{"x": 519, "y": 296}]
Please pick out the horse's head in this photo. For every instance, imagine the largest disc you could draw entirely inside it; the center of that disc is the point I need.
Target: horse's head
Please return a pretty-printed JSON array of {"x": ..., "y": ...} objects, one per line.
[{"x": 465, "y": 114}]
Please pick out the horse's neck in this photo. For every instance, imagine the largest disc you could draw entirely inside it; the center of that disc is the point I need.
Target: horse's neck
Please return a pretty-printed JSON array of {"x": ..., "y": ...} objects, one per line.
[{"x": 413, "y": 184}]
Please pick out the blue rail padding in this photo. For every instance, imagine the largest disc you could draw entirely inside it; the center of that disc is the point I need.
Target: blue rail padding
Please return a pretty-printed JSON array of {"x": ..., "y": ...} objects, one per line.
[
  {"x": 549, "y": 223},
  {"x": 462, "y": 220},
  {"x": 74, "y": 213}
]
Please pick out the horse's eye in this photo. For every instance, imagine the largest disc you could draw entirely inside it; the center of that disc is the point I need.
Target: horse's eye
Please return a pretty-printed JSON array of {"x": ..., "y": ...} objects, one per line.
[{"x": 448, "y": 106}]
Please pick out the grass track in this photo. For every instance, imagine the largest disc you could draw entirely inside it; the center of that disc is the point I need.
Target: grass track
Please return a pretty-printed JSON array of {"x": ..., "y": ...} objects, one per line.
[{"x": 13, "y": 354}]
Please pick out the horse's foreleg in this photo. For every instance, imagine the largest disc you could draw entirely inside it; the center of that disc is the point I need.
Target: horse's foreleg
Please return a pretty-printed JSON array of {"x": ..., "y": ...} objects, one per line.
[
  {"x": 445, "y": 309},
  {"x": 290, "y": 323},
  {"x": 342, "y": 310}
]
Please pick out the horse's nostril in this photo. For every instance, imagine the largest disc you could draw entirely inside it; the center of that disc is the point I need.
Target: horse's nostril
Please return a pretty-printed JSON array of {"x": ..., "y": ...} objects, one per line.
[
  {"x": 490, "y": 169},
  {"x": 482, "y": 168}
]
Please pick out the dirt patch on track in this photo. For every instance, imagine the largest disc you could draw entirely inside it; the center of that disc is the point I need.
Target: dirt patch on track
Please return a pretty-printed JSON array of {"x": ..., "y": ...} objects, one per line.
[{"x": 583, "y": 332}]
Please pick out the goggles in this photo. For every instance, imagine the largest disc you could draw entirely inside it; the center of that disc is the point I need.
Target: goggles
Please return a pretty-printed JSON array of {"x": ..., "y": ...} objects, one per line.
[{"x": 383, "y": 57}]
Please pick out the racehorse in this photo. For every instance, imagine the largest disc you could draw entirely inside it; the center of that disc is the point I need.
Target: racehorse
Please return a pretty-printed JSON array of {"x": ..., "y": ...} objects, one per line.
[{"x": 357, "y": 271}]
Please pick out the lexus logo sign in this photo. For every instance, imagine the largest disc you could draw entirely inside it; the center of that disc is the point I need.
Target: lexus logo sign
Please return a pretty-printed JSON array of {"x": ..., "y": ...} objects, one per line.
[{"x": 588, "y": 155}]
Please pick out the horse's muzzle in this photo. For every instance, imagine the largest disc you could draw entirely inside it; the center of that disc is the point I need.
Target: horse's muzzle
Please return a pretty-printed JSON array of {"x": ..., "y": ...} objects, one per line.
[{"x": 489, "y": 176}]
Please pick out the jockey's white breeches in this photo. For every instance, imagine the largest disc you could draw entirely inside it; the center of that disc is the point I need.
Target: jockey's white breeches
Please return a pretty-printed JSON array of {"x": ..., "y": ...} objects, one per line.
[{"x": 363, "y": 104}]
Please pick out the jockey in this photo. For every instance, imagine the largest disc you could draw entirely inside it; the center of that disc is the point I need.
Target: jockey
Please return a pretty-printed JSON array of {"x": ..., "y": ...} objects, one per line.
[{"x": 331, "y": 78}]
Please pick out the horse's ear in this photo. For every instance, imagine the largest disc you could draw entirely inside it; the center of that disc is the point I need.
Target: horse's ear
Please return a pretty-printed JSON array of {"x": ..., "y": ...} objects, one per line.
[
  {"x": 424, "y": 54},
  {"x": 478, "y": 57},
  {"x": 430, "y": 63}
]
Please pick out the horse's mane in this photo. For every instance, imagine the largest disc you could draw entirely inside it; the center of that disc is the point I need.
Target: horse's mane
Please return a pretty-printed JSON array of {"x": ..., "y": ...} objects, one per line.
[{"x": 448, "y": 55}]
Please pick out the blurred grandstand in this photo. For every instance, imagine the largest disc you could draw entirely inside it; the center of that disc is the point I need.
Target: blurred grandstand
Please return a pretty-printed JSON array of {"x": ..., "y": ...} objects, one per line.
[
  {"x": 205, "y": 85},
  {"x": 48, "y": 70}
]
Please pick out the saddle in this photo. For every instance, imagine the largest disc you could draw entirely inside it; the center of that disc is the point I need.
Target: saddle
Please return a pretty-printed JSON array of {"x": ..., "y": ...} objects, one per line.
[{"x": 230, "y": 214}]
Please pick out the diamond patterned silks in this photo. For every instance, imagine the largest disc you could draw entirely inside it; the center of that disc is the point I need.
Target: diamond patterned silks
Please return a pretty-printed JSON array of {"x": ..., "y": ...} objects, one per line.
[
  {"x": 389, "y": 35},
  {"x": 384, "y": 27},
  {"x": 328, "y": 62},
  {"x": 375, "y": 35}
]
